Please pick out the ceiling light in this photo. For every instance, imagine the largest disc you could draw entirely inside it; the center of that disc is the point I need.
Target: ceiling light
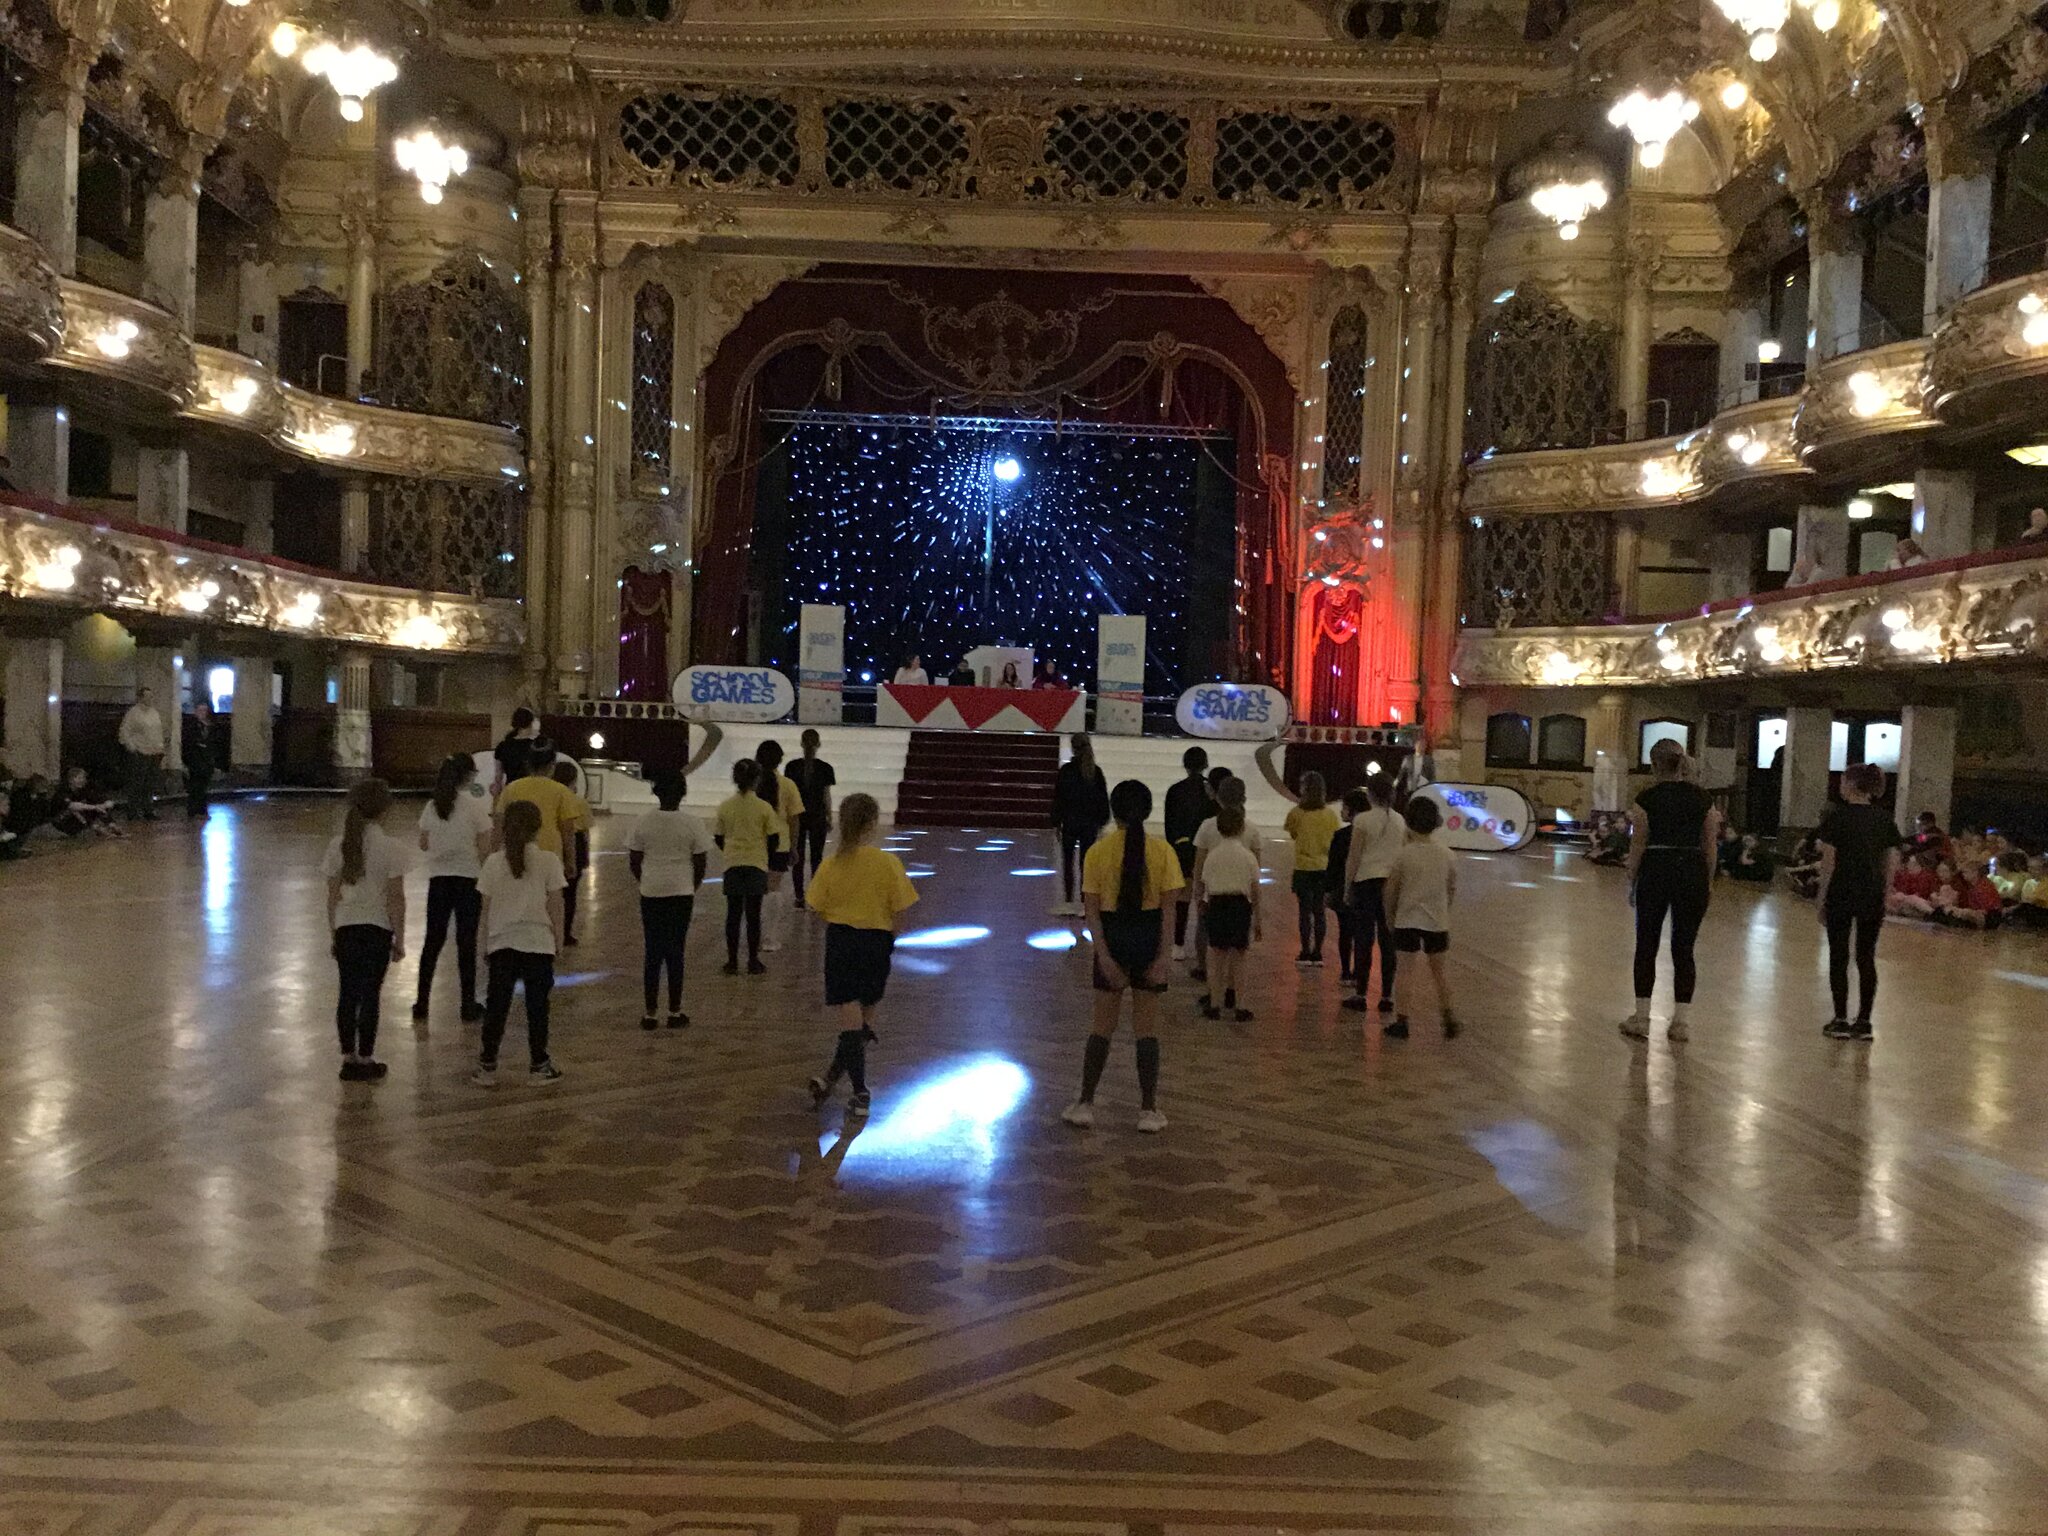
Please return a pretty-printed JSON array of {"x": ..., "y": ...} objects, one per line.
[
  {"x": 1764, "y": 47},
  {"x": 285, "y": 38},
  {"x": 354, "y": 72},
  {"x": 113, "y": 340},
  {"x": 431, "y": 160},
  {"x": 1867, "y": 394},
  {"x": 1826, "y": 15},
  {"x": 1903, "y": 489},
  {"x": 1735, "y": 95},
  {"x": 1861, "y": 507},
  {"x": 1568, "y": 204},
  {"x": 2033, "y": 455},
  {"x": 1769, "y": 350},
  {"x": 1653, "y": 121}
]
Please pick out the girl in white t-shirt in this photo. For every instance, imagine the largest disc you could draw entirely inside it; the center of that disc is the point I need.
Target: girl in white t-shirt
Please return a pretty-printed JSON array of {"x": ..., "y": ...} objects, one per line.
[
  {"x": 667, "y": 850},
  {"x": 522, "y": 890},
  {"x": 365, "y": 873},
  {"x": 1378, "y": 835},
  {"x": 455, "y": 833},
  {"x": 1229, "y": 791},
  {"x": 1227, "y": 892},
  {"x": 1420, "y": 889}
]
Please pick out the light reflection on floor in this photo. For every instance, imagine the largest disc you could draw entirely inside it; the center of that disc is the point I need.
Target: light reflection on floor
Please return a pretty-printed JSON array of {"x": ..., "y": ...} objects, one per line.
[
  {"x": 1528, "y": 1160},
  {"x": 1034, "y": 872},
  {"x": 1053, "y": 938},
  {"x": 953, "y": 937},
  {"x": 2024, "y": 978},
  {"x": 942, "y": 1128}
]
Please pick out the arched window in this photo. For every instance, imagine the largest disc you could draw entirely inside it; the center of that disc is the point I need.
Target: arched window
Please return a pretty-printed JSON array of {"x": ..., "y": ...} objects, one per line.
[
  {"x": 1344, "y": 415},
  {"x": 1653, "y": 731},
  {"x": 1507, "y": 741},
  {"x": 1561, "y": 742},
  {"x": 654, "y": 351}
]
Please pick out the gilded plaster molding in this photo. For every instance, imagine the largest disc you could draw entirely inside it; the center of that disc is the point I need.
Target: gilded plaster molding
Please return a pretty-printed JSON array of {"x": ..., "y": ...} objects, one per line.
[
  {"x": 1277, "y": 308},
  {"x": 32, "y": 317},
  {"x": 1986, "y": 613},
  {"x": 1982, "y": 365},
  {"x": 125, "y": 341},
  {"x": 1878, "y": 391},
  {"x": 70, "y": 563},
  {"x": 731, "y": 288}
]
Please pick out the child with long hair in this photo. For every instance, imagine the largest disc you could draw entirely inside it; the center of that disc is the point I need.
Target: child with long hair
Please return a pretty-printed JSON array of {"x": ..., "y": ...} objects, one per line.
[
  {"x": 1227, "y": 892},
  {"x": 780, "y": 795},
  {"x": 862, "y": 893},
  {"x": 365, "y": 873},
  {"x": 521, "y": 885},
  {"x": 667, "y": 851},
  {"x": 575, "y": 845},
  {"x": 749, "y": 831},
  {"x": 1125, "y": 880},
  {"x": 1313, "y": 826},
  {"x": 1080, "y": 808},
  {"x": 455, "y": 834},
  {"x": 1229, "y": 790}
]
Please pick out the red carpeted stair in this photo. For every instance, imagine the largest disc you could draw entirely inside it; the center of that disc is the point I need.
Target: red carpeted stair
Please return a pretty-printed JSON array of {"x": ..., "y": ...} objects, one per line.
[{"x": 976, "y": 779}]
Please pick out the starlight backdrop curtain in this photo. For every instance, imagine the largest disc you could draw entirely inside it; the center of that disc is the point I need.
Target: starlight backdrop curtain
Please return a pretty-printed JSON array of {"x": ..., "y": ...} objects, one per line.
[
  {"x": 941, "y": 342},
  {"x": 643, "y": 634}
]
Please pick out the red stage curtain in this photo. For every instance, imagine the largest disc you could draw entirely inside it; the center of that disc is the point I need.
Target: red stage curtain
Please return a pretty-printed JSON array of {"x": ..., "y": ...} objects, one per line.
[
  {"x": 1333, "y": 669},
  {"x": 861, "y": 339},
  {"x": 643, "y": 634}
]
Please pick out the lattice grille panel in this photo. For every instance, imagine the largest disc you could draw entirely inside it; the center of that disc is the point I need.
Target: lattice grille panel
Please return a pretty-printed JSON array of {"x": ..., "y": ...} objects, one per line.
[
  {"x": 1119, "y": 152},
  {"x": 1538, "y": 377},
  {"x": 1537, "y": 570},
  {"x": 915, "y": 147},
  {"x": 654, "y": 351},
  {"x": 453, "y": 344},
  {"x": 1315, "y": 162},
  {"x": 438, "y": 537},
  {"x": 1344, "y": 415},
  {"x": 716, "y": 141}
]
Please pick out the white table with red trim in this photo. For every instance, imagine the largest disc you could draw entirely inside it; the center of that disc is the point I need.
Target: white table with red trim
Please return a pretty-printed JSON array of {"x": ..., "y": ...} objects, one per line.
[{"x": 936, "y": 708}]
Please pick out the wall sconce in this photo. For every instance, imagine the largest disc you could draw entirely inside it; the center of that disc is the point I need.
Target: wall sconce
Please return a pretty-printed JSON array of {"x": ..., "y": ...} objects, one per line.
[{"x": 113, "y": 340}]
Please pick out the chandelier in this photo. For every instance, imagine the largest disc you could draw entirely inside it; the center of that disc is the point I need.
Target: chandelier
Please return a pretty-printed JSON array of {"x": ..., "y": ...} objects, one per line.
[
  {"x": 431, "y": 160},
  {"x": 1563, "y": 182},
  {"x": 1653, "y": 121},
  {"x": 1761, "y": 21},
  {"x": 353, "y": 69},
  {"x": 1568, "y": 204}
]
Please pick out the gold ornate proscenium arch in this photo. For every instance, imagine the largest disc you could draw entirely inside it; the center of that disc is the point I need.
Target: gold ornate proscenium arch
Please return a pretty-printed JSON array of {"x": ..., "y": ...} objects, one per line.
[{"x": 1086, "y": 347}]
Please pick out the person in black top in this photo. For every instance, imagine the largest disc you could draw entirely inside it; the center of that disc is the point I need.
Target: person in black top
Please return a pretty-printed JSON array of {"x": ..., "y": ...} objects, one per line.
[
  {"x": 1859, "y": 850},
  {"x": 962, "y": 675},
  {"x": 1670, "y": 864},
  {"x": 195, "y": 748},
  {"x": 813, "y": 778},
  {"x": 1080, "y": 810},
  {"x": 512, "y": 751},
  {"x": 1188, "y": 805}
]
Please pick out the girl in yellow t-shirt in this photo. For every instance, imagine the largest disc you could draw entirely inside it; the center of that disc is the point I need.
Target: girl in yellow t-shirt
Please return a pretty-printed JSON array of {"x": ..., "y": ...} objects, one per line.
[
  {"x": 1312, "y": 825},
  {"x": 748, "y": 831},
  {"x": 1125, "y": 880},
  {"x": 861, "y": 892}
]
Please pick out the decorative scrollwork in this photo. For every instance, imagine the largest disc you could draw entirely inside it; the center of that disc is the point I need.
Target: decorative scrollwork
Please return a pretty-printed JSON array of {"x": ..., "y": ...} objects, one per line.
[
  {"x": 1538, "y": 377},
  {"x": 653, "y": 392},
  {"x": 1538, "y": 570},
  {"x": 1344, "y": 413},
  {"x": 453, "y": 344},
  {"x": 439, "y": 537}
]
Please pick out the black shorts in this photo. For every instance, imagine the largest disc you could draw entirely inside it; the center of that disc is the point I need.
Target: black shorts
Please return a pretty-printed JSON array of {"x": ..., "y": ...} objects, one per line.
[
  {"x": 778, "y": 863},
  {"x": 856, "y": 964},
  {"x": 1131, "y": 940},
  {"x": 1228, "y": 922},
  {"x": 1431, "y": 941},
  {"x": 743, "y": 880},
  {"x": 1308, "y": 881}
]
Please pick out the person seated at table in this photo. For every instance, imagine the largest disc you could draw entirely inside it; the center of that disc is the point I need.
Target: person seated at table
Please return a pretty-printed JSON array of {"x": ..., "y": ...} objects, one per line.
[
  {"x": 1010, "y": 679},
  {"x": 962, "y": 675},
  {"x": 1044, "y": 677},
  {"x": 912, "y": 673}
]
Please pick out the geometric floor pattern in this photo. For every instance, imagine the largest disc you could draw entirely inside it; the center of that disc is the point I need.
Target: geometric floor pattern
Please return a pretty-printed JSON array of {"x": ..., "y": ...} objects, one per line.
[{"x": 1534, "y": 1280}]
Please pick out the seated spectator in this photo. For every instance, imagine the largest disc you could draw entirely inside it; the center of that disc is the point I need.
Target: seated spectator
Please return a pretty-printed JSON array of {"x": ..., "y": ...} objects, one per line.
[
  {"x": 962, "y": 675},
  {"x": 1927, "y": 836},
  {"x": 1751, "y": 862},
  {"x": 1043, "y": 676},
  {"x": 1804, "y": 870},
  {"x": 85, "y": 807},
  {"x": 2037, "y": 526},
  {"x": 31, "y": 801},
  {"x": 1968, "y": 899},
  {"x": 1907, "y": 554},
  {"x": 1913, "y": 888},
  {"x": 2009, "y": 877},
  {"x": 2033, "y": 908},
  {"x": 1609, "y": 843},
  {"x": 11, "y": 845},
  {"x": 1724, "y": 854}
]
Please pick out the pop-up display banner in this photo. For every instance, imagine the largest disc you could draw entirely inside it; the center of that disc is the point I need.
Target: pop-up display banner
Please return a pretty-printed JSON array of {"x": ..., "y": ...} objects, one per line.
[
  {"x": 1481, "y": 818},
  {"x": 733, "y": 694},
  {"x": 1233, "y": 711},
  {"x": 821, "y": 663},
  {"x": 1120, "y": 674}
]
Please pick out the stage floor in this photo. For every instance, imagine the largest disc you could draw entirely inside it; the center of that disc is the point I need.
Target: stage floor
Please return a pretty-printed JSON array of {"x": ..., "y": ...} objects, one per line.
[{"x": 1533, "y": 1281}]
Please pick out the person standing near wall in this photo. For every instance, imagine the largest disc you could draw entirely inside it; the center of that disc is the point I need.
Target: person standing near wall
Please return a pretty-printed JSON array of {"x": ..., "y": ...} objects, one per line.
[
  {"x": 142, "y": 739},
  {"x": 195, "y": 746}
]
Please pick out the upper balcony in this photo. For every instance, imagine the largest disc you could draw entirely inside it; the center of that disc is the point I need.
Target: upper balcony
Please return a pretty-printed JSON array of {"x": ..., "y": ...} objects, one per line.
[{"x": 1977, "y": 608}]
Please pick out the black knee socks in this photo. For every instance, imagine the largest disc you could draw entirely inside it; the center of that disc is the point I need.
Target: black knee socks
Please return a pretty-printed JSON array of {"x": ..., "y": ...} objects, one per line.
[
  {"x": 851, "y": 1059},
  {"x": 1092, "y": 1063},
  {"x": 1148, "y": 1070}
]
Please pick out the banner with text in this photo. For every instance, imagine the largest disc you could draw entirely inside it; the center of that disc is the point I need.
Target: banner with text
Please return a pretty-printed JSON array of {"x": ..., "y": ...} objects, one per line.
[
  {"x": 1120, "y": 674},
  {"x": 821, "y": 664}
]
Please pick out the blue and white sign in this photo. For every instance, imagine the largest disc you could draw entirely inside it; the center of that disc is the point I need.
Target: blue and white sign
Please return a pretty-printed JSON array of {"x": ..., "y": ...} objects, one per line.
[
  {"x": 1120, "y": 674},
  {"x": 1233, "y": 711},
  {"x": 1481, "y": 818},
  {"x": 821, "y": 663},
  {"x": 733, "y": 693}
]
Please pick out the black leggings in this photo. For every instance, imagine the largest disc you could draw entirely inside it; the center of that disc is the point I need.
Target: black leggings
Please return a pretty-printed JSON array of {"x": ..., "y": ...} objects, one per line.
[
  {"x": 1074, "y": 842},
  {"x": 1310, "y": 894},
  {"x": 809, "y": 853},
  {"x": 536, "y": 973},
  {"x": 744, "y": 888},
  {"x": 1671, "y": 882},
  {"x": 664, "y": 924},
  {"x": 363, "y": 953},
  {"x": 1369, "y": 900},
  {"x": 1866, "y": 925},
  {"x": 450, "y": 896}
]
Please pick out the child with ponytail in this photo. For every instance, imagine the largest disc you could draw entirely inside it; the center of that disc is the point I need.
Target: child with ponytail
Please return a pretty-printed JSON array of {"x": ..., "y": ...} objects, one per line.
[
  {"x": 1126, "y": 879},
  {"x": 862, "y": 892},
  {"x": 521, "y": 886},
  {"x": 365, "y": 873}
]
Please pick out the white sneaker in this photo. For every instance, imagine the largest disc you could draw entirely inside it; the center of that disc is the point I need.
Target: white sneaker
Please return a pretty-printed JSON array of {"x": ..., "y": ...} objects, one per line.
[
  {"x": 1151, "y": 1122},
  {"x": 770, "y": 946},
  {"x": 1079, "y": 1115},
  {"x": 1678, "y": 1031},
  {"x": 1180, "y": 953},
  {"x": 1635, "y": 1028},
  {"x": 485, "y": 1077}
]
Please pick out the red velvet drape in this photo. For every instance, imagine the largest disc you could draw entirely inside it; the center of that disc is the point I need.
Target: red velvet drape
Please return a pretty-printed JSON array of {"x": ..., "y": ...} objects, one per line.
[
  {"x": 1094, "y": 347},
  {"x": 1333, "y": 668},
  {"x": 643, "y": 634}
]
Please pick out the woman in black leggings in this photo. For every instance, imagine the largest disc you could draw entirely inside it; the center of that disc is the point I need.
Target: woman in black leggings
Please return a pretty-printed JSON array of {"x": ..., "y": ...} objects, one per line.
[
  {"x": 1858, "y": 856},
  {"x": 1670, "y": 859},
  {"x": 1080, "y": 810}
]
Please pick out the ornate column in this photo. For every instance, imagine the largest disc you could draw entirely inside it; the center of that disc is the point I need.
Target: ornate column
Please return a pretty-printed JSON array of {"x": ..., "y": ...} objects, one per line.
[
  {"x": 1821, "y": 542},
  {"x": 1945, "y": 512},
  {"x": 612, "y": 465},
  {"x": 360, "y": 223},
  {"x": 1834, "y": 305},
  {"x": 35, "y": 704},
  {"x": 170, "y": 260},
  {"x": 1927, "y": 763},
  {"x": 1422, "y": 323},
  {"x": 1446, "y": 543},
  {"x": 46, "y": 168},
  {"x": 249, "y": 732},
  {"x": 1741, "y": 333},
  {"x": 537, "y": 219},
  {"x": 1958, "y": 210},
  {"x": 352, "y": 716},
  {"x": 1639, "y": 251},
  {"x": 576, "y": 384},
  {"x": 1803, "y": 787}
]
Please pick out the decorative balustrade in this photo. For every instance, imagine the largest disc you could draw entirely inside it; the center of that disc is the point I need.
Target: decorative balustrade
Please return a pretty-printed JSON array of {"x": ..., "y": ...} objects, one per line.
[
  {"x": 51, "y": 556},
  {"x": 31, "y": 307},
  {"x": 1977, "y": 608}
]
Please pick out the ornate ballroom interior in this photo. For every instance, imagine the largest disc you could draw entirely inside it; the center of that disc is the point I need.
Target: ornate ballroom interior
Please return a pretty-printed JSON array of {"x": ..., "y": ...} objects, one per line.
[{"x": 1591, "y": 374}]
